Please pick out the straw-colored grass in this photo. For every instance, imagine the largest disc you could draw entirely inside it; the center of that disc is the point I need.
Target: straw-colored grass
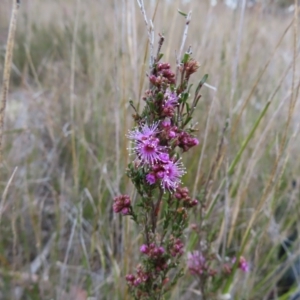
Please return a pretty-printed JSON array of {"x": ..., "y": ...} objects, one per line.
[
  {"x": 75, "y": 66},
  {"x": 7, "y": 68}
]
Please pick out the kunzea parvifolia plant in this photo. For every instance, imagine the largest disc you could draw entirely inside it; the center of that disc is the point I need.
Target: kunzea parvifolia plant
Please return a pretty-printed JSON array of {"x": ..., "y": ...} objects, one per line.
[{"x": 163, "y": 132}]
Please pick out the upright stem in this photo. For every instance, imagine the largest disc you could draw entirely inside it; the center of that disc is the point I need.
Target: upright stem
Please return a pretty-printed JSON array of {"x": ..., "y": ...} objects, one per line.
[{"x": 155, "y": 210}]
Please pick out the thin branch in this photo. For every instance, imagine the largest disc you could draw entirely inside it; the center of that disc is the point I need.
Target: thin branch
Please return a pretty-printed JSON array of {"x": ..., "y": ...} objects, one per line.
[
  {"x": 156, "y": 209},
  {"x": 150, "y": 31},
  {"x": 160, "y": 43},
  {"x": 185, "y": 33}
]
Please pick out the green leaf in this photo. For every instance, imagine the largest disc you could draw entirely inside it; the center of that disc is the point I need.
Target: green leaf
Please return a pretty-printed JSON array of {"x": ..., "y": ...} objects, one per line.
[
  {"x": 187, "y": 121},
  {"x": 187, "y": 108},
  {"x": 132, "y": 105},
  {"x": 160, "y": 56},
  {"x": 160, "y": 96},
  {"x": 248, "y": 138},
  {"x": 202, "y": 81},
  {"x": 189, "y": 88},
  {"x": 182, "y": 13},
  {"x": 186, "y": 58},
  {"x": 184, "y": 97}
]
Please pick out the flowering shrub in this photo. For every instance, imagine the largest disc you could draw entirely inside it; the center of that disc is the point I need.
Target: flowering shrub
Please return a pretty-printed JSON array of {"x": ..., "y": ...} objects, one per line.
[{"x": 163, "y": 132}]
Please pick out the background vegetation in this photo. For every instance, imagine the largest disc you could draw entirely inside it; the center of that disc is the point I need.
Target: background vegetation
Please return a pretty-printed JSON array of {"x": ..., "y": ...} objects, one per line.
[{"x": 76, "y": 64}]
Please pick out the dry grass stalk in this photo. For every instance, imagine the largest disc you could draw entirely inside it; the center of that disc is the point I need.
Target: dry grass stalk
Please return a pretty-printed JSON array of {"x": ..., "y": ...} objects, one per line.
[
  {"x": 2, "y": 207},
  {"x": 7, "y": 67}
]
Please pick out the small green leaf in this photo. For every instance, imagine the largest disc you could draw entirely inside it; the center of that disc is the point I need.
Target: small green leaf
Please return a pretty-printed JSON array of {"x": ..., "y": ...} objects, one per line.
[
  {"x": 187, "y": 108},
  {"x": 204, "y": 78},
  {"x": 184, "y": 97},
  {"x": 160, "y": 96},
  {"x": 202, "y": 81},
  {"x": 182, "y": 13},
  {"x": 186, "y": 58},
  {"x": 187, "y": 121},
  {"x": 189, "y": 88},
  {"x": 160, "y": 56}
]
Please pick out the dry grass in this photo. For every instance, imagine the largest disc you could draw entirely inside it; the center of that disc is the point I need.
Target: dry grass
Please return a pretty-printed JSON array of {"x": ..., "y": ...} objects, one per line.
[
  {"x": 67, "y": 115},
  {"x": 7, "y": 68}
]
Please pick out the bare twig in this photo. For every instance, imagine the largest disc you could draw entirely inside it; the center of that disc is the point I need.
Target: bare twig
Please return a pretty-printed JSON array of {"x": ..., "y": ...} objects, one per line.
[
  {"x": 185, "y": 33},
  {"x": 150, "y": 31},
  {"x": 7, "y": 67},
  {"x": 160, "y": 43}
]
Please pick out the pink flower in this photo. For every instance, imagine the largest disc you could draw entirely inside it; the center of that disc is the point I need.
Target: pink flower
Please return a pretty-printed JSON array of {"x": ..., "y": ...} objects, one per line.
[
  {"x": 186, "y": 141},
  {"x": 171, "y": 97},
  {"x": 144, "y": 249},
  {"x": 166, "y": 123},
  {"x": 182, "y": 193},
  {"x": 146, "y": 131},
  {"x": 162, "y": 66},
  {"x": 168, "y": 132},
  {"x": 154, "y": 251},
  {"x": 177, "y": 248},
  {"x": 150, "y": 178},
  {"x": 146, "y": 144},
  {"x": 164, "y": 157},
  {"x": 130, "y": 277},
  {"x": 171, "y": 101},
  {"x": 243, "y": 264},
  {"x": 148, "y": 150},
  {"x": 172, "y": 134},
  {"x": 140, "y": 277},
  {"x": 173, "y": 171},
  {"x": 167, "y": 171},
  {"x": 122, "y": 204},
  {"x": 196, "y": 263}
]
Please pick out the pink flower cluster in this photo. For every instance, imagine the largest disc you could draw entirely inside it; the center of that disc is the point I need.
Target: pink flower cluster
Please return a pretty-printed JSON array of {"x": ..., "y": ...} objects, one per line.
[
  {"x": 156, "y": 254},
  {"x": 176, "y": 247},
  {"x": 167, "y": 171},
  {"x": 163, "y": 75},
  {"x": 158, "y": 141},
  {"x": 243, "y": 264},
  {"x": 185, "y": 141},
  {"x": 182, "y": 139},
  {"x": 169, "y": 104},
  {"x": 152, "y": 250},
  {"x": 139, "y": 278},
  {"x": 182, "y": 193},
  {"x": 152, "y": 142},
  {"x": 157, "y": 257},
  {"x": 150, "y": 153},
  {"x": 146, "y": 144},
  {"x": 122, "y": 204},
  {"x": 196, "y": 263}
]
